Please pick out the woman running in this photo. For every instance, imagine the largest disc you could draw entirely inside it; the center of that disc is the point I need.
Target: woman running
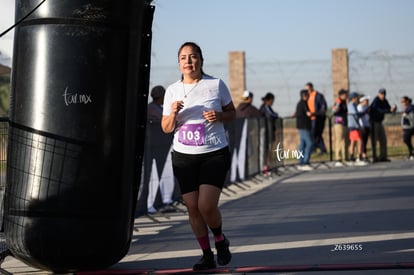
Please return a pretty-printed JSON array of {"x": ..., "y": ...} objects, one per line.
[{"x": 195, "y": 108}]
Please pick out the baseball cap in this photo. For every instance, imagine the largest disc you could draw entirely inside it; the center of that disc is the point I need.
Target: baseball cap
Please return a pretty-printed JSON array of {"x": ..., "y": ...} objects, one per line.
[
  {"x": 247, "y": 94},
  {"x": 382, "y": 91},
  {"x": 364, "y": 98},
  {"x": 353, "y": 95}
]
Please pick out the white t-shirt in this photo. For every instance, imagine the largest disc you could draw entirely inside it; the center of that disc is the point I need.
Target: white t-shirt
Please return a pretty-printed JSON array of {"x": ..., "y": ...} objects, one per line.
[
  {"x": 363, "y": 120},
  {"x": 193, "y": 134}
]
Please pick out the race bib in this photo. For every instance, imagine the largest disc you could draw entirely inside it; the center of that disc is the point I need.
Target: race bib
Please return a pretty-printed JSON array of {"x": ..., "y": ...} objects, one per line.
[{"x": 192, "y": 134}]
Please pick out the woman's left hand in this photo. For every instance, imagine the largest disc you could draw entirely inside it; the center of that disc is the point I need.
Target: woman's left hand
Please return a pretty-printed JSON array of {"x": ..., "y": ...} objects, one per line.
[{"x": 211, "y": 116}]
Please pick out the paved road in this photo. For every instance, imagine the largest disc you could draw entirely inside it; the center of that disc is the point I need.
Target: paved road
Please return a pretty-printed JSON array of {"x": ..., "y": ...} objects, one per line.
[{"x": 349, "y": 215}]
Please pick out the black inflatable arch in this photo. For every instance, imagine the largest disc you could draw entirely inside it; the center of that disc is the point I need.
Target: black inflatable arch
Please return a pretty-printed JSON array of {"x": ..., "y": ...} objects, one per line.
[{"x": 78, "y": 112}]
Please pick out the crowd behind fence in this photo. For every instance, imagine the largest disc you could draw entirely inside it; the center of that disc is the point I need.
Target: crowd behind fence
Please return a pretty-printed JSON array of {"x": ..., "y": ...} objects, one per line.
[{"x": 253, "y": 144}]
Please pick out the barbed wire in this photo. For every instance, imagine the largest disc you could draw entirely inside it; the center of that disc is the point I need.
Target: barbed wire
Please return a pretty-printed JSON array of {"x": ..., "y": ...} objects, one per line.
[{"x": 367, "y": 73}]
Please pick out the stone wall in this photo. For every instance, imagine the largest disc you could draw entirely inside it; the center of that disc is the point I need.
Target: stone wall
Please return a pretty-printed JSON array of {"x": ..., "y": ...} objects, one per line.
[
  {"x": 237, "y": 75},
  {"x": 340, "y": 70}
]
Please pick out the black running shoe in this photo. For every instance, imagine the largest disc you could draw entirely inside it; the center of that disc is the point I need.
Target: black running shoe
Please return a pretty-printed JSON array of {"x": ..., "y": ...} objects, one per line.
[
  {"x": 206, "y": 262},
  {"x": 223, "y": 252}
]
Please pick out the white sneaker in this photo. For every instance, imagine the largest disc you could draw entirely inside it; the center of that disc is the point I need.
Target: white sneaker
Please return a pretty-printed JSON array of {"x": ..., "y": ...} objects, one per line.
[
  {"x": 305, "y": 167},
  {"x": 360, "y": 162},
  {"x": 411, "y": 158},
  {"x": 339, "y": 164}
]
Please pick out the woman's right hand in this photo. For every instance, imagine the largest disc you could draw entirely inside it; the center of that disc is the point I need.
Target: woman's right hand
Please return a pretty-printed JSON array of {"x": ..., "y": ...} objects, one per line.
[
  {"x": 176, "y": 106},
  {"x": 168, "y": 121}
]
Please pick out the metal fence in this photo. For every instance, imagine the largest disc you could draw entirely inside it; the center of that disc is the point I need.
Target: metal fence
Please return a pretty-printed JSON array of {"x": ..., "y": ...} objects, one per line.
[
  {"x": 252, "y": 142},
  {"x": 3, "y": 161},
  {"x": 395, "y": 144}
]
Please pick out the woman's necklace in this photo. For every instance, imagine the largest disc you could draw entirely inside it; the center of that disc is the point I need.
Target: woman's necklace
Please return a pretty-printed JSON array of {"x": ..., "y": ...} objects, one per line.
[{"x": 187, "y": 93}]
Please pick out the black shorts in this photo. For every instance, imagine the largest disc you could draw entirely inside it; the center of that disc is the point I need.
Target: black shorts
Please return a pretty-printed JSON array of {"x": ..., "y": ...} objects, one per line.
[{"x": 193, "y": 170}]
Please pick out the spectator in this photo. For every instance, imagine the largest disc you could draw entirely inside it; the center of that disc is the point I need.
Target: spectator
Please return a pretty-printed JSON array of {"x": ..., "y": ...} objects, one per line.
[
  {"x": 380, "y": 107},
  {"x": 246, "y": 108},
  {"x": 154, "y": 111},
  {"x": 304, "y": 126},
  {"x": 354, "y": 129},
  {"x": 317, "y": 107},
  {"x": 363, "y": 107},
  {"x": 267, "y": 111},
  {"x": 266, "y": 108},
  {"x": 407, "y": 123},
  {"x": 340, "y": 111}
]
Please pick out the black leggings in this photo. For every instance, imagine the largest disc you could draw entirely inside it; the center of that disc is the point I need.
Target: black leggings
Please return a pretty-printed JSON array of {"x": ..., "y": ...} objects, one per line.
[
  {"x": 408, "y": 133},
  {"x": 365, "y": 136}
]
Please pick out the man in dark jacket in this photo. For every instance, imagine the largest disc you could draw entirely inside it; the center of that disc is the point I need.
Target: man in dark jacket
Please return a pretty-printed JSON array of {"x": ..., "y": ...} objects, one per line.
[
  {"x": 304, "y": 126},
  {"x": 317, "y": 106},
  {"x": 380, "y": 107}
]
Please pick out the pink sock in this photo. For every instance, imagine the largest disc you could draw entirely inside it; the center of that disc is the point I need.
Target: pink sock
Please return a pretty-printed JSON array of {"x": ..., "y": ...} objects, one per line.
[
  {"x": 218, "y": 234},
  {"x": 204, "y": 242}
]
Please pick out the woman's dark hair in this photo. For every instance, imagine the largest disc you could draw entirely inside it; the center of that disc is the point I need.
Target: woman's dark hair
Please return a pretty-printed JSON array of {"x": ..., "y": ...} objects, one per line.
[
  {"x": 303, "y": 92},
  {"x": 192, "y": 45},
  {"x": 197, "y": 49},
  {"x": 269, "y": 96},
  {"x": 407, "y": 99},
  {"x": 342, "y": 92}
]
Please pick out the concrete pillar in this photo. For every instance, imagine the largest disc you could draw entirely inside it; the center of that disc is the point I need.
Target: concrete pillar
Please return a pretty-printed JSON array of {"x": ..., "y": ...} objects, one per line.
[
  {"x": 237, "y": 75},
  {"x": 340, "y": 70}
]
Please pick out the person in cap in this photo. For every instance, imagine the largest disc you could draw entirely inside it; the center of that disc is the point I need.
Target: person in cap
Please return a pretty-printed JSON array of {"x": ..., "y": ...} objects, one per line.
[
  {"x": 340, "y": 111},
  {"x": 363, "y": 107},
  {"x": 246, "y": 108},
  {"x": 354, "y": 128},
  {"x": 407, "y": 123},
  {"x": 266, "y": 108},
  {"x": 154, "y": 110},
  {"x": 378, "y": 108}
]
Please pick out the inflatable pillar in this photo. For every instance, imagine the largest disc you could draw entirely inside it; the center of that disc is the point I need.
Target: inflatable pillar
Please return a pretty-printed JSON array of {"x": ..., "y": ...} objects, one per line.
[{"x": 77, "y": 127}]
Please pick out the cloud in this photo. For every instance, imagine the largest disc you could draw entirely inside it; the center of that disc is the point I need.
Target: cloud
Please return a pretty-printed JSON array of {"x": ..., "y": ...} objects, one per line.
[
  {"x": 5, "y": 60},
  {"x": 6, "y": 20}
]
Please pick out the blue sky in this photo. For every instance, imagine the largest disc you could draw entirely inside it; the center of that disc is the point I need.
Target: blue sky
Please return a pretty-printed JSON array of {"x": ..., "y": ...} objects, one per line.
[
  {"x": 274, "y": 31},
  {"x": 267, "y": 30},
  {"x": 282, "y": 29}
]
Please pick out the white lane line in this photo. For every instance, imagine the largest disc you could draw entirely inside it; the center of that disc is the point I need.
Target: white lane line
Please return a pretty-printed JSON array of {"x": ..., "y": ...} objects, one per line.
[
  {"x": 401, "y": 251},
  {"x": 156, "y": 255},
  {"x": 142, "y": 231}
]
